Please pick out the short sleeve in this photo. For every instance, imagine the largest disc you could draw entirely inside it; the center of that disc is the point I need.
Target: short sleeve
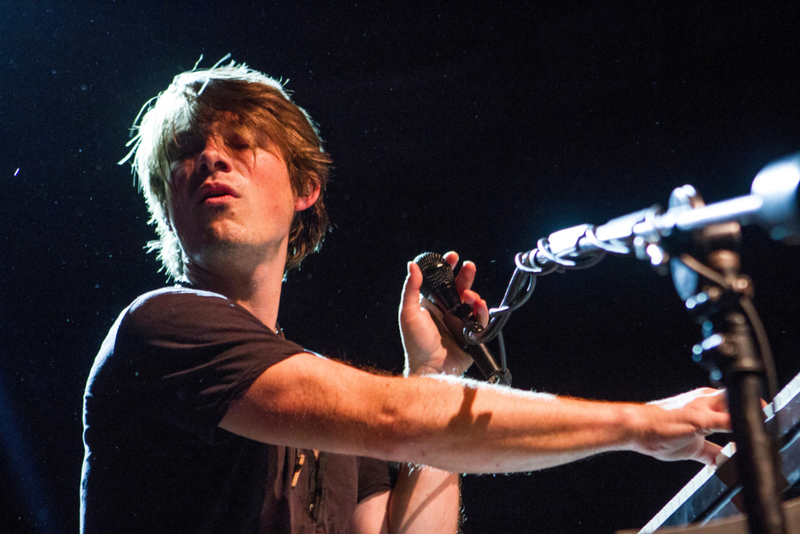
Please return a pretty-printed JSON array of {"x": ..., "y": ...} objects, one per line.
[
  {"x": 182, "y": 356},
  {"x": 374, "y": 476}
]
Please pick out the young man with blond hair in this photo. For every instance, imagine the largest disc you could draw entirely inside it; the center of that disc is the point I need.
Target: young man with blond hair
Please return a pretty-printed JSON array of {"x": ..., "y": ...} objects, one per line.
[{"x": 201, "y": 417}]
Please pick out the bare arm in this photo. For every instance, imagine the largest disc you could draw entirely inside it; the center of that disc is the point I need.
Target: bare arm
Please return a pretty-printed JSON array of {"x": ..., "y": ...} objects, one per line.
[
  {"x": 455, "y": 424},
  {"x": 424, "y": 500}
]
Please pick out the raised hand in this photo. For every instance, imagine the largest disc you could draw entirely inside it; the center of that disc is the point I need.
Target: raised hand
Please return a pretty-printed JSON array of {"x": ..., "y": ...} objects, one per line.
[{"x": 428, "y": 346}]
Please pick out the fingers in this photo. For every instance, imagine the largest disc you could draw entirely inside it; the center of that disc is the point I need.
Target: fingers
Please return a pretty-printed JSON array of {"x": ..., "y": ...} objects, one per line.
[
  {"x": 718, "y": 419},
  {"x": 479, "y": 307},
  {"x": 708, "y": 454},
  {"x": 465, "y": 276},
  {"x": 452, "y": 259},
  {"x": 464, "y": 280}
]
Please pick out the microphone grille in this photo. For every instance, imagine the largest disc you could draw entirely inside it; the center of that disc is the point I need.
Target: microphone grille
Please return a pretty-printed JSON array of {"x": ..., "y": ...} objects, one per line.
[{"x": 436, "y": 272}]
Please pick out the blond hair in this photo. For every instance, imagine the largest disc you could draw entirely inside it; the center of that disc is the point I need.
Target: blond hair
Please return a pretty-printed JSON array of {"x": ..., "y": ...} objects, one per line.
[{"x": 260, "y": 110}]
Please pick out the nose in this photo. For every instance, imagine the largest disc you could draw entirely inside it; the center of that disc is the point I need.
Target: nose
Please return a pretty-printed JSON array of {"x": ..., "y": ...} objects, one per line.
[{"x": 214, "y": 157}]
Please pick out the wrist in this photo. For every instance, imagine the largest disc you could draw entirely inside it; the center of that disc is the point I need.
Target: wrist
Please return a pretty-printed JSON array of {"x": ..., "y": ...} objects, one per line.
[
  {"x": 640, "y": 431},
  {"x": 430, "y": 364},
  {"x": 423, "y": 370}
]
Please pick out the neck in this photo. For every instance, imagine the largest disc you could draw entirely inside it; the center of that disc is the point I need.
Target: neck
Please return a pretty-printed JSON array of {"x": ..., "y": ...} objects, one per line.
[{"x": 257, "y": 289}]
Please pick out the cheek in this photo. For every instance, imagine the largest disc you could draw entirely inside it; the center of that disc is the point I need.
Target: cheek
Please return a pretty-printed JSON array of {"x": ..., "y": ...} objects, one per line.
[
  {"x": 176, "y": 213},
  {"x": 278, "y": 205},
  {"x": 274, "y": 186},
  {"x": 171, "y": 204}
]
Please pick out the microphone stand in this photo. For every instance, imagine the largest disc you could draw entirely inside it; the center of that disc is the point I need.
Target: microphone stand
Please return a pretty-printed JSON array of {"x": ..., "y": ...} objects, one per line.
[
  {"x": 729, "y": 352},
  {"x": 717, "y": 294}
]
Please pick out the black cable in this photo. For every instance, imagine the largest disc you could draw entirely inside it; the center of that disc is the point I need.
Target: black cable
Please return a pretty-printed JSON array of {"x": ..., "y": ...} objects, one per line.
[
  {"x": 752, "y": 318},
  {"x": 763, "y": 345}
]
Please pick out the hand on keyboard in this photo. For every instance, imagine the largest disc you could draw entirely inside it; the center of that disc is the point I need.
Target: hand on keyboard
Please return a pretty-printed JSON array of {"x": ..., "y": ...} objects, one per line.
[{"x": 678, "y": 429}]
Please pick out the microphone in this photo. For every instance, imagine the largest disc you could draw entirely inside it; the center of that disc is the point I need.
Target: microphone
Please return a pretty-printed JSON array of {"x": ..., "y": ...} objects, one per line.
[{"x": 438, "y": 286}]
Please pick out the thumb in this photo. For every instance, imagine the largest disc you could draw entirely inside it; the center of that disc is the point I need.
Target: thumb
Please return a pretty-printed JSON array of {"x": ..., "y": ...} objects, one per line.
[{"x": 409, "y": 303}]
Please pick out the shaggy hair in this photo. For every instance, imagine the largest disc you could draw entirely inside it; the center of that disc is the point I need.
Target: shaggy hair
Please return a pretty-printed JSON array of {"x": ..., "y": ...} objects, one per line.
[{"x": 258, "y": 109}]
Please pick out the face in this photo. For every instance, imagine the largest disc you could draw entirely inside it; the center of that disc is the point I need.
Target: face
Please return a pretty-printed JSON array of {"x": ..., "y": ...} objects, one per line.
[{"x": 230, "y": 202}]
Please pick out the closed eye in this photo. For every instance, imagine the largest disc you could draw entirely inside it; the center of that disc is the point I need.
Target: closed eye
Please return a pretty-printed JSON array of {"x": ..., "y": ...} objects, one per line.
[
  {"x": 238, "y": 143},
  {"x": 185, "y": 145}
]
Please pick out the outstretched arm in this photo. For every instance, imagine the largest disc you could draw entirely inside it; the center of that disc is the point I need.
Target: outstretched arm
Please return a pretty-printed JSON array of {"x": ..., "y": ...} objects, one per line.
[{"x": 455, "y": 424}]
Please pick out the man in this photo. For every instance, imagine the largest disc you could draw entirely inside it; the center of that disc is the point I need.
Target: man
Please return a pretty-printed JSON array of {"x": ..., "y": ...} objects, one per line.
[{"x": 200, "y": 417}]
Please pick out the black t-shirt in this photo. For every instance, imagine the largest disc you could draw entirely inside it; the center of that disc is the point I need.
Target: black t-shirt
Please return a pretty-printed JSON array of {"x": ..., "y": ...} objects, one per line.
[{"x": 156, "y": 460}]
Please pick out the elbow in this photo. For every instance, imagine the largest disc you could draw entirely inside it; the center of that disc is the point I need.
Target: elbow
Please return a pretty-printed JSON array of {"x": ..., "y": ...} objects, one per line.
[
  {"x": 404, "y": 428},
  {"x": 393, "y": 436},
  {"x": 396, "y": 431}
]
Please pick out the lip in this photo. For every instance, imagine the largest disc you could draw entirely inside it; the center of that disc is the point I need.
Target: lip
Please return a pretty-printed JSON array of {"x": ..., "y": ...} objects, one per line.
[{"x": 215, "y": 192}]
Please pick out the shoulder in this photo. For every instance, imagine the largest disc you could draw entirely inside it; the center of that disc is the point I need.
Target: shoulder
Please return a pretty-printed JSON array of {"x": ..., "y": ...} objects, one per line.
[
  {"x": 178, "y": 299},
  {"x": 188, "y": 336},
  {"x": 179, "y": 309},
  {"x": 178, "y": 321}
]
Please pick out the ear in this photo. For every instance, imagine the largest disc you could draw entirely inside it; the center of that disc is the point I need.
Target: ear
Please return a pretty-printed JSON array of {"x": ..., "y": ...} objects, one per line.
[{"x": 306, "y": 201}]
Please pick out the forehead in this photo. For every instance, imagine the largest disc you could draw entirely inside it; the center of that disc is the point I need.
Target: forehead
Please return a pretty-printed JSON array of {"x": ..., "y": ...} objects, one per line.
[
  {"x": 207, "y": 122},
  {"x": 224, "y": 125}
]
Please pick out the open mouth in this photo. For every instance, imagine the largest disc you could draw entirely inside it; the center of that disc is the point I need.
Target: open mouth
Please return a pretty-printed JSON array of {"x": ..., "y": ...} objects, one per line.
[
  {"x": 216, "y": 196},
  {"x": 216, "y": 193}
]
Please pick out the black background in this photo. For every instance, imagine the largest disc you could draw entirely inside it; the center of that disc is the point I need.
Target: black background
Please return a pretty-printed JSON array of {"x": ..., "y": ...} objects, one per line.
[{"x": 479, "y": 129}]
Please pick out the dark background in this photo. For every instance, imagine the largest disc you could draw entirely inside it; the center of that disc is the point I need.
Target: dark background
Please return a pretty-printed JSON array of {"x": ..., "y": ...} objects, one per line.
[{"x": 479, "y": 129}]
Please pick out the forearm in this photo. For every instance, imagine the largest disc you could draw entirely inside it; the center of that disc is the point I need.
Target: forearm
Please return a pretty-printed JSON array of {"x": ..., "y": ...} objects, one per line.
[
  {"x": 447, "y": 423},
  {"x": 469, "y": 427}
]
